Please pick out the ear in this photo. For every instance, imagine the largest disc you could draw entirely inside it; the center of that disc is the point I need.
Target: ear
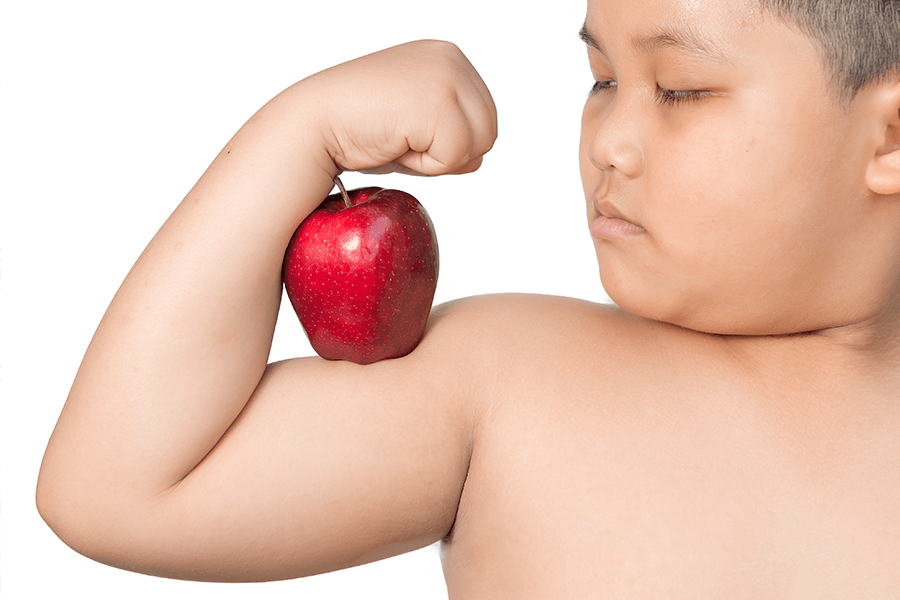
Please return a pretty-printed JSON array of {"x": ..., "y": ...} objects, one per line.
[{"x": 883, "y": 174}]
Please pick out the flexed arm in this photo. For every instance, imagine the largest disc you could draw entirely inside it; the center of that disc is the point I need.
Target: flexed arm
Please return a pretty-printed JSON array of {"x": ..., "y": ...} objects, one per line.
[{"x": 179, "y": 452}]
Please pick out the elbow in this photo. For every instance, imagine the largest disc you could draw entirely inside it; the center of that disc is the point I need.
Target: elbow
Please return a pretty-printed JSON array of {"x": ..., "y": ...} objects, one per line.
[
  {"x": 56, "y": 507},
  {"x": 73, "y": 515},
  {"x": 102, "y": 524}
]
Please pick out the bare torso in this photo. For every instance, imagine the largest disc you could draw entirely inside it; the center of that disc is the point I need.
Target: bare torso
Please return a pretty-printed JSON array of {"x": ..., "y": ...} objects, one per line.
[{"x": 659, "y": 469}]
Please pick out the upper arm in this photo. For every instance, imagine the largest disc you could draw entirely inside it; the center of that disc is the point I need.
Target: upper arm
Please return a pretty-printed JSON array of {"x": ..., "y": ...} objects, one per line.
[{"x": 329, "y": 465}]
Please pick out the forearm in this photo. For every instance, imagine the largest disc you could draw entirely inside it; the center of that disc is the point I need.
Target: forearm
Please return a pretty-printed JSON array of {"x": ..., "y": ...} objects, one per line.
[{"x": 186, "y": 339}]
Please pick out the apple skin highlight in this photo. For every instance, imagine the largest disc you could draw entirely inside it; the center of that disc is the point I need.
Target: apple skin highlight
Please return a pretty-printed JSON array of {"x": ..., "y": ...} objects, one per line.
[{"x": 362, "y": 278}]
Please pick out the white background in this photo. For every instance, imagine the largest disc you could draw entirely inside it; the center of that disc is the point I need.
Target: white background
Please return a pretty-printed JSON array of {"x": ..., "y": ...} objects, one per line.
[{"x": 112, "y": 110}]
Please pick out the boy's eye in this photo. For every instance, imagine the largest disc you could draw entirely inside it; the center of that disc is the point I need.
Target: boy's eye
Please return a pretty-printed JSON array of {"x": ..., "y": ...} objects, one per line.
[
  {"x": 663, "y": 96},
  {"x": 674, "y": 97},
  {"x": 602, "y": 86}
]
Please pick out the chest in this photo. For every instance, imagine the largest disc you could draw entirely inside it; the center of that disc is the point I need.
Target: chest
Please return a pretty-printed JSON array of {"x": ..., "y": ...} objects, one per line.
[{"x": 647, "y": 503}]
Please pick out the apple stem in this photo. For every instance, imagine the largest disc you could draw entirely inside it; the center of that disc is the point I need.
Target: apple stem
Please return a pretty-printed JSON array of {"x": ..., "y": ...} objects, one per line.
[{"x": 341, "y": 187}]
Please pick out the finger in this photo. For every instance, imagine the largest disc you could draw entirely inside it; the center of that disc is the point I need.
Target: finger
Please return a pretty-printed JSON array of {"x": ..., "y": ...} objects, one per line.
[
  {"x": 457, "y": 145},
  {"x": 425, "y": 163},
  {"x": 394, "y": 167},
  {"x": 470, "y": 167}
]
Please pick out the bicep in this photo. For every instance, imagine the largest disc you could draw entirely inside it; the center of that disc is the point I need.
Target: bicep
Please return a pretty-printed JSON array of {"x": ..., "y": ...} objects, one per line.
[{"x": 329, "y": 465}]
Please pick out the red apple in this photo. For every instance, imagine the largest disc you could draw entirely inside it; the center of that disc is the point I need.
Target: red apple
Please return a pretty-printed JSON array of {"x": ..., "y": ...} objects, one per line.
[{"x": 361, "y": 273}]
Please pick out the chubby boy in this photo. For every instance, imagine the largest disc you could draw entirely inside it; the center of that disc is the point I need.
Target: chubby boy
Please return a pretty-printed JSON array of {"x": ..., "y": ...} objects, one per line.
[{"x": 731, "y": 429}]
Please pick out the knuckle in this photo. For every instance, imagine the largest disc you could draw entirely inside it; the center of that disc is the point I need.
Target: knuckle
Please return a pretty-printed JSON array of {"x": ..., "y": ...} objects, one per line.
[{"x": 443, "y": 47}]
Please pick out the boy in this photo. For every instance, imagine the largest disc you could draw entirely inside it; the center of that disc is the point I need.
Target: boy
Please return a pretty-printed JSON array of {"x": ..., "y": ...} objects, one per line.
[{"x": 735, "y": 433}]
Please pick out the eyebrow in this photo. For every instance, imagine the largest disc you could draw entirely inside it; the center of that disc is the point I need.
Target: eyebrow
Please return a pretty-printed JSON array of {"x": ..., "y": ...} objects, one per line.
[
  {"x": 684, "y": 40},
  {"x": 587, "y": 38}
]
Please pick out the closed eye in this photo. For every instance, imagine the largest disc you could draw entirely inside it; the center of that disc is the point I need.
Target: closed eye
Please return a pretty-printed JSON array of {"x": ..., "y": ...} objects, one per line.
[
  {"x": 602, "y": 86},
  {"x": 675, "y": 97}
]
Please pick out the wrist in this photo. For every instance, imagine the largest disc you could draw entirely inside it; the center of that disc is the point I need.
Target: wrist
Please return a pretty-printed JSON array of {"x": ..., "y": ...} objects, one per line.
[{"x": 277, "y": 168}]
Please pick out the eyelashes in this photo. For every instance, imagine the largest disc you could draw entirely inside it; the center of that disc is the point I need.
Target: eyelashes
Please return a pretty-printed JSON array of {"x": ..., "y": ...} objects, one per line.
[
  {"x": 663, "y": 96},
  {"x": 602, "y": 86},
  {"x": 666, "y": 97}
]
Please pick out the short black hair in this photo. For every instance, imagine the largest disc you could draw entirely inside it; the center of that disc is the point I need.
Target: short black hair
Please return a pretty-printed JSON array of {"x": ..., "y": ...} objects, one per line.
[{"x": 859, "y": 39}]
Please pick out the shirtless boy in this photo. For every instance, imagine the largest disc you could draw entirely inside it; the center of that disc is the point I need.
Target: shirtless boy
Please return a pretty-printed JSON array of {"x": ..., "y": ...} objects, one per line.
[{"x": 730, "y": 430}]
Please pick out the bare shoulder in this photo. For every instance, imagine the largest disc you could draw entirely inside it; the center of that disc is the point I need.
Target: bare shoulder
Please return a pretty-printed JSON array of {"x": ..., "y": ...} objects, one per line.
[
  {"x": 551, "y": 354},
  {"x": 526, "y": 321},
  {"x": 626, "y": 455},
  {"x": 531, "y": 333}
]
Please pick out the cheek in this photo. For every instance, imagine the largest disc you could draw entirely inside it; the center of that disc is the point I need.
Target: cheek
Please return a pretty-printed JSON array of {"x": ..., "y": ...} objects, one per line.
[
  {"x": 716, "y": 210},
  {"x": 731, "y": 184},
  {"x": 740, "y": 227}
]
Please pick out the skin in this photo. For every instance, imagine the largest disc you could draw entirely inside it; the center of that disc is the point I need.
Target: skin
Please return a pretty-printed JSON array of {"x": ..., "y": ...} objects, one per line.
[{"x": 639, "y": 453}]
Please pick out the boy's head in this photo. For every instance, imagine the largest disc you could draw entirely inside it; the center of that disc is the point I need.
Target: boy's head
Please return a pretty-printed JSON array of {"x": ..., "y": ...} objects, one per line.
[
  {"x": 728, "y": 192},
  {"x": 859, "y": 39}
]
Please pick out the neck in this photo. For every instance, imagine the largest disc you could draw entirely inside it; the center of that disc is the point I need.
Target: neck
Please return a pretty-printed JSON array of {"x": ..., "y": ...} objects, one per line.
[{"x": 856, "y": 359}]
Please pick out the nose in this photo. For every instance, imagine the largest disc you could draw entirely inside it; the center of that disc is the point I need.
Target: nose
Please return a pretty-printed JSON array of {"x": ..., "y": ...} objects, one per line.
[{"x": 612, "y": 138}]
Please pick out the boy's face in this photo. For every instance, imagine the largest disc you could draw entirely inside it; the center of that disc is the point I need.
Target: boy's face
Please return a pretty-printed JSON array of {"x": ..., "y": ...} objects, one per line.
[{"x": 712, "y": 132}]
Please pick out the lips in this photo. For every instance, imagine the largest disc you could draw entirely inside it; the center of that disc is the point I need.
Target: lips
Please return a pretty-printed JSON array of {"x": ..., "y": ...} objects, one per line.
[
  {"x": 606, "y": 209},
  {"x": 611, "y": 224}
]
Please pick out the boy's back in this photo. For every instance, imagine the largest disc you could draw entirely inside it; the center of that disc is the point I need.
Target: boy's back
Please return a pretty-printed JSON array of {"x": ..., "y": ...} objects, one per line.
[{"x": 559, "y": 448}]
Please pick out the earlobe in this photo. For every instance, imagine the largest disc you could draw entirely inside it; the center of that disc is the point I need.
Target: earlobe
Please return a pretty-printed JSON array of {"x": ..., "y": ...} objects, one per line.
[{"x": 883, "y": 174}]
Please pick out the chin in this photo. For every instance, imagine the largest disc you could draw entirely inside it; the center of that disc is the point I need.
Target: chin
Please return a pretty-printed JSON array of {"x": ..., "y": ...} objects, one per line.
[{"x": 705, "y": 315}]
